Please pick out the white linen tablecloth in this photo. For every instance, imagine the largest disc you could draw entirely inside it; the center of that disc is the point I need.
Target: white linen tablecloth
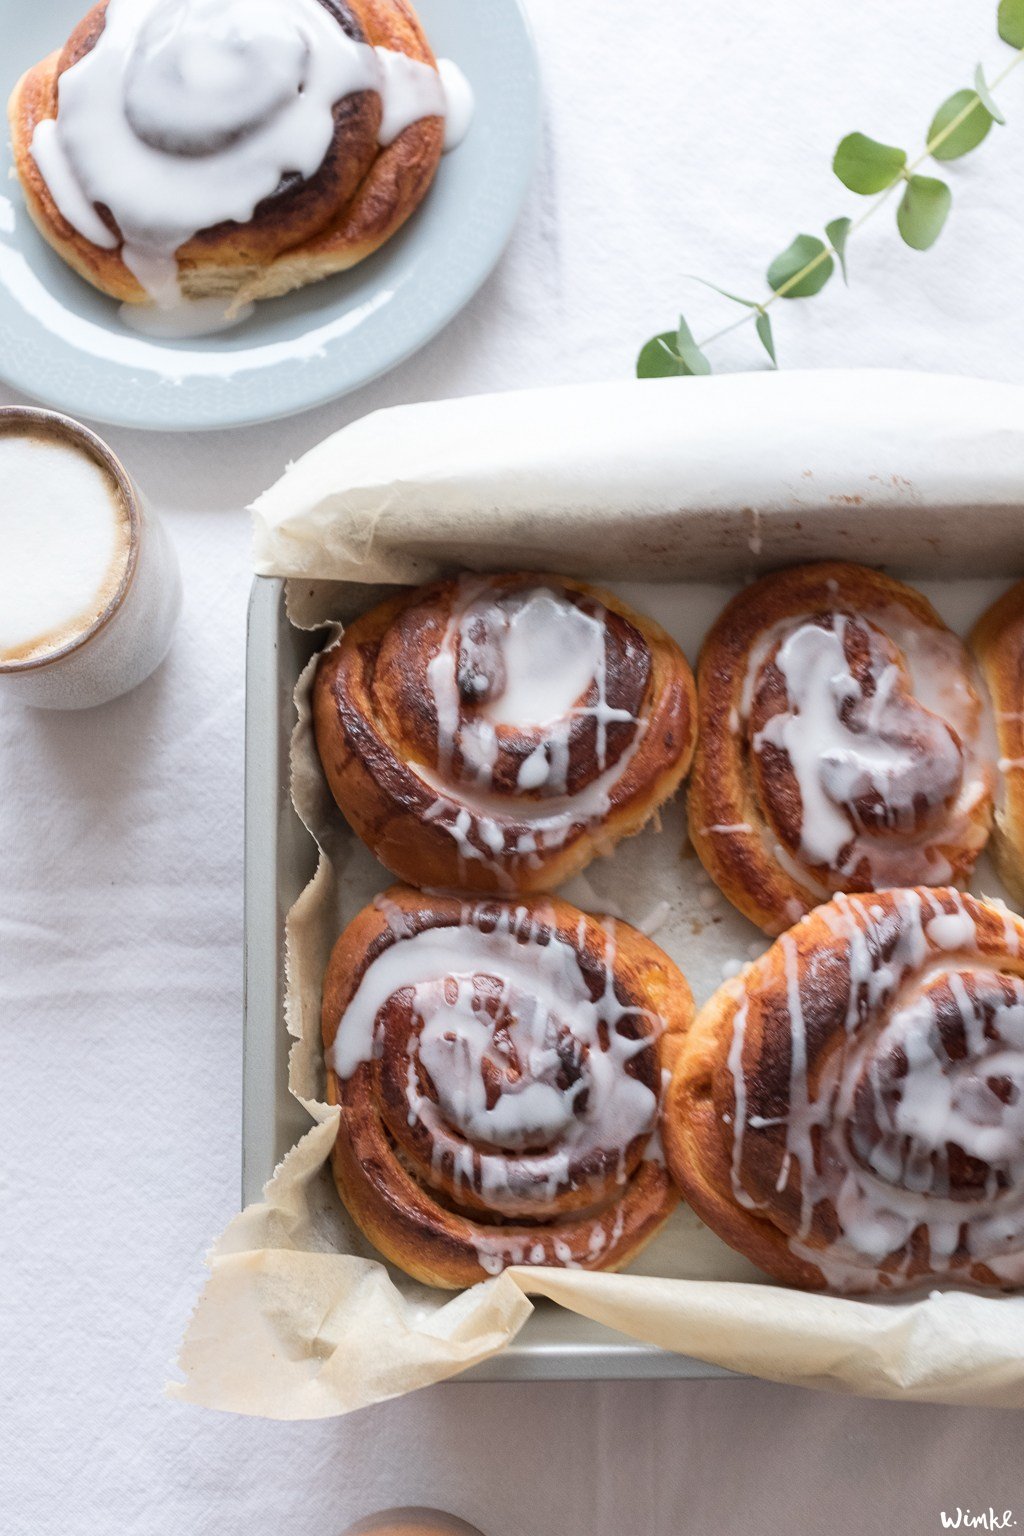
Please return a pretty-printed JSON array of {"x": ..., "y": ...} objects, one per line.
[{"x": 680, "y": 138}]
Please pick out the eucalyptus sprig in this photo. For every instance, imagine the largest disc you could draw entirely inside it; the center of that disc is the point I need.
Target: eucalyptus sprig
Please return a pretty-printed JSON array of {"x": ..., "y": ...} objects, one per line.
[{"x": 871, "y": 169}]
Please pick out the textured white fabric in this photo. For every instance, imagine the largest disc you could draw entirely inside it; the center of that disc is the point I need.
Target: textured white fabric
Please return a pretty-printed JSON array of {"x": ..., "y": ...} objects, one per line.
[{"x": 680, "y": 138}]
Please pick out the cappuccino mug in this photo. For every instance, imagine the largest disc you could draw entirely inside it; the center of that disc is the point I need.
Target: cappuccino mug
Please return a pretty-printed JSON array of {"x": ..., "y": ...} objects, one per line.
[{"x": 90, "y": 589}]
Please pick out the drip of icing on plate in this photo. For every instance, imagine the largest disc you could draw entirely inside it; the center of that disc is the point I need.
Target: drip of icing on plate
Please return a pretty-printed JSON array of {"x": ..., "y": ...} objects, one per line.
[
  {"x": 536, "y": 662},
  {"x": 531, "y": 1092},
  {"x": 915, "y": 1123},
  {"x": 188, "y": 113}
]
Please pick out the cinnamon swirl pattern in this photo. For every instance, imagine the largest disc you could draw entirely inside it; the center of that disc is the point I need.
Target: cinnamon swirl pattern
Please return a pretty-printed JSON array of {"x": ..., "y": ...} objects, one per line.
[
  {"x": 232, "y": 149},
  {"x": 499, "y": 1070},
  {"x": 841, "y": 744},
  {"x": 998, "y": 643},
  {"x": 492, "y": 733},
  {"x": 849, "y": 1111}
]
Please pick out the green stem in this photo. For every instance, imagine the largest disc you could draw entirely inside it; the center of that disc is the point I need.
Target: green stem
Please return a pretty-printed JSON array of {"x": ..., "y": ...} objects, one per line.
[{"x": 829, "y": 250}]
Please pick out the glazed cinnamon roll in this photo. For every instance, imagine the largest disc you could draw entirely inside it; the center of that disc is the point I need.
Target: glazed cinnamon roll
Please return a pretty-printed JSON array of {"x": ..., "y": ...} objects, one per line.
[
  {"x": 849, "y": 1111},
  {"x": 841, "y": 744},
  {"x": 998, "y": 643},
  {"x": 492, "y": 733},
  {"x": 499, "y": 1070},
  {"x": 227, "y": 148}
]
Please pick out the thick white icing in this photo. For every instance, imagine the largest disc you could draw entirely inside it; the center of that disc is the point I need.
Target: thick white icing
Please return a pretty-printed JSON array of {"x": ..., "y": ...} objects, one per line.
[
  {"x": 538, "y": 662},
  {"x": 409, "y": 90},
  {"x": 458, "y": 101},
  {"x": 550, "y": 652},
  {"x": 66, "y": 540},
  {"x": 517, "y": 1146},
  {"x": 888, "y": 1185},
  {"x": 188, "y": 113},
  {"x": 64, "y": 186}
]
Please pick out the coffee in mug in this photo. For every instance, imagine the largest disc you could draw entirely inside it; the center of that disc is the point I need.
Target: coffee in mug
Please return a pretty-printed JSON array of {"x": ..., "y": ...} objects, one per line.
[{"x": 89, "y": 583}]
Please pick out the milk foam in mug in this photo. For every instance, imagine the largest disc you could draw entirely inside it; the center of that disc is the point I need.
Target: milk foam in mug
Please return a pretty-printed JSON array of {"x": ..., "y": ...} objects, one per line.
[{"x": 89, "y": 583}]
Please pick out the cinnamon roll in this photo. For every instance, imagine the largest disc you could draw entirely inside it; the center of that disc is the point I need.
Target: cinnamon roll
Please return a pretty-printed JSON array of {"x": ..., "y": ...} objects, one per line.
[
  {"x": 998, "y": 643},
  {"x": 499, "y": 1070},
  {"x": 492, "y": 733},
  {"x": 840, "y": 744},
  {"x": 232, "y": 149},
  {"x": 849, "y": 1111}
]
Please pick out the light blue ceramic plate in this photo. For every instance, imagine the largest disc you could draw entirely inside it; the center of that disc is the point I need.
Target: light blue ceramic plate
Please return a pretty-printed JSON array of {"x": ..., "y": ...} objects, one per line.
[{"x": 63, "y": 343}]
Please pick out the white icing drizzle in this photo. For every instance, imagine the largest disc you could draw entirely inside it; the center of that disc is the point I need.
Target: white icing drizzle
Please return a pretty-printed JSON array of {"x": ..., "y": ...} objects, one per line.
[
  {"x": 189, "y": 113},
  {"x": 459, "y": 104},
  {"x": 509, "y": 1121},
  {"x": 497, "y": 1251},
  {"x": 538, "y": 662},
  {"x": 871, "y": 1129},
  {"x": 739, "y": 1088},
  {"x": 655, "y": 919},
  {"x": 846, "y": 750}
]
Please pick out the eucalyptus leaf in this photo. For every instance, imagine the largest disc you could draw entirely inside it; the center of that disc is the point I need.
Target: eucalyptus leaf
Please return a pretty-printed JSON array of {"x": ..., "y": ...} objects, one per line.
[
  {"x": 988, "y": 101},
  {"x": 659, "y": 359},
  {"x": 763, "y": 326},
  {"x": 837, "y": 231},
  {"x": 923, "y": 211},
  {"x": 1011, "y": 22},
  {"x": 804, "y": 249},
  {"x": 691, "y": 354},
  {"x": 750, "y": 303},
  {"x": 968, "y": 134},
  {"x": 866, "y": 166}
]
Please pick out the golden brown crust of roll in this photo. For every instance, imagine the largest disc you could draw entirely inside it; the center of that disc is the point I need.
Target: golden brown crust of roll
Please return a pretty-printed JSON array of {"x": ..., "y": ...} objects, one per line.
[
  {"x": 395, "y": 1181},
  {"x": 998, "y": 643},
  {"x": 374, "y": 719},
  {"x": 359, "y": 198},
  {"x": 745, "y": 810},
  {"x": 842, "y": 947}
]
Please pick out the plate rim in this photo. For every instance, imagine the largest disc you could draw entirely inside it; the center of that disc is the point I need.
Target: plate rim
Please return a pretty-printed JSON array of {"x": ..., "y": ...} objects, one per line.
[{"x": 198, "y": 418}]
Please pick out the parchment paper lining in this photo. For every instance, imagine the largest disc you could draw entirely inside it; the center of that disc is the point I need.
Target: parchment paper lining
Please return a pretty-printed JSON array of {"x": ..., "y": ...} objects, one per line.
[{"x": 301, "y": 1319}]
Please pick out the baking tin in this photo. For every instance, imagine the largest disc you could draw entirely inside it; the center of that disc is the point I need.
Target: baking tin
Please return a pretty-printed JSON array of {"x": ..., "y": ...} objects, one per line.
[{"x": 922, "y": 475}]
